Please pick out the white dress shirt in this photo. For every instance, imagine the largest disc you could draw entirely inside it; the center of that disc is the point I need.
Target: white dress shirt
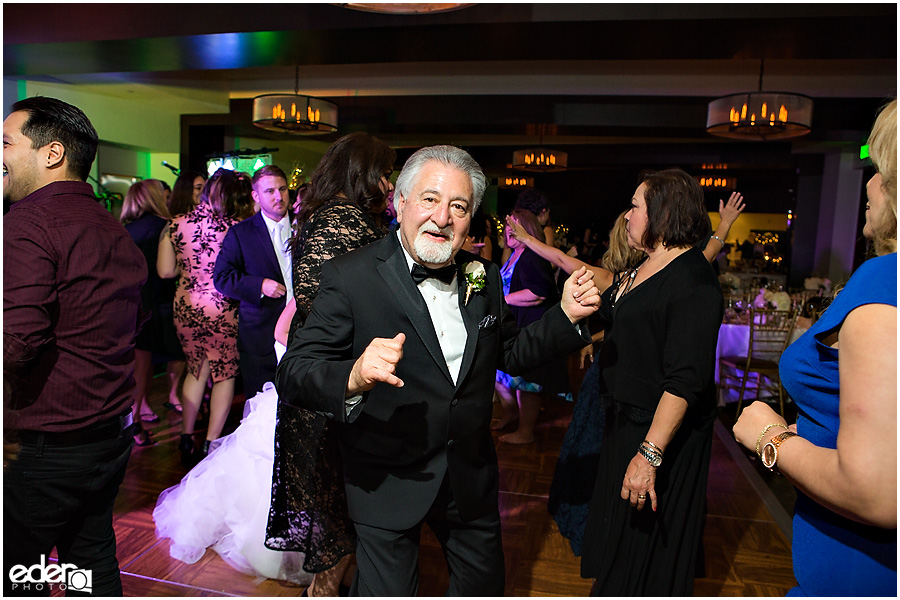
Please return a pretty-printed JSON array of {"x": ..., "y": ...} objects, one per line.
[
  {"x": 442, "y": 300},
  {"x": 279, "y": 234}
]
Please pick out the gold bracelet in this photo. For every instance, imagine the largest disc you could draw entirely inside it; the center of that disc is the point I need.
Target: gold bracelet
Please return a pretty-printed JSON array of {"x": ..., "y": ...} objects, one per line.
[
  {"x": 764, "y": 432},
  {"x": 654, "y": 446}
]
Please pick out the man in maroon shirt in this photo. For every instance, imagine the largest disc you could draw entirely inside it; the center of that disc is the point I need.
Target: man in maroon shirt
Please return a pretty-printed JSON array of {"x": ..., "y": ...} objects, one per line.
[{"x": 71, "y": 298}]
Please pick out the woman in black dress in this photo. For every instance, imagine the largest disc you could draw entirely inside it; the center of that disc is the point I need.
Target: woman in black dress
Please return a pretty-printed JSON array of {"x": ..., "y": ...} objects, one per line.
[
  {"x": 646, "y": 517},
  {"x": 144, "y": 214},
  {"x": 342, "y": 210},
  {"x": 530, "y": 290}
]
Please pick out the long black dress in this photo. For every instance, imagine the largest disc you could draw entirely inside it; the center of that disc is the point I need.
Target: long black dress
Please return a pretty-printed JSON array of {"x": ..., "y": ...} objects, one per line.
[
  {"x": 157, "y": 296},
  {"x": 579, "y": 456},
  {"x": 308, "y": 512},
  {"x": 663, "y": 338}
]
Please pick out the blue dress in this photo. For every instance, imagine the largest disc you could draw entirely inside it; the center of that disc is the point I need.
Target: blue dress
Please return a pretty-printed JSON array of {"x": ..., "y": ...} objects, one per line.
[{"x": 834, "y": 556}]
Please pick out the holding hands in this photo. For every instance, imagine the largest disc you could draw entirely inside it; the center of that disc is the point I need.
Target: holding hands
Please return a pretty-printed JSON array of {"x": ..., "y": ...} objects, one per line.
[{"x": 580, "y": 298}]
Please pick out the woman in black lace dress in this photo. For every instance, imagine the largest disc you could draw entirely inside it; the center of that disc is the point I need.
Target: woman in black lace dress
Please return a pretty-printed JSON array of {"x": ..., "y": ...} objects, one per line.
[{"x": 341, "y": 211}]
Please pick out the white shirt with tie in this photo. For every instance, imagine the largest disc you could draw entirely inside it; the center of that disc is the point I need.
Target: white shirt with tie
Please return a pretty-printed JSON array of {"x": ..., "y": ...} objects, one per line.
[{"x": 279, "y": 234}]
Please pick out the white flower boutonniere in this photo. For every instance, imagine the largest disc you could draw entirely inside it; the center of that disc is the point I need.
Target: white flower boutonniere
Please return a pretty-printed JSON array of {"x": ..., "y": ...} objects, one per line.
[{"x": 475, "y": 278}]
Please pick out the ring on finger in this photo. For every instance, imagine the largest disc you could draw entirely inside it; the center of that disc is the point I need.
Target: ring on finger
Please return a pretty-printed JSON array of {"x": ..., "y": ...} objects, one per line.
[{"x": 642, "y": 496}]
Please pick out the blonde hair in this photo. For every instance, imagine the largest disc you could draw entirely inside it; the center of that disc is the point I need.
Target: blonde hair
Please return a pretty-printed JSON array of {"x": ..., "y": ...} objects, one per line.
[
  {"x": 148, "y": 196},
  {"x": 620, "y": 256},
  {"x": 883, "y": 153}
]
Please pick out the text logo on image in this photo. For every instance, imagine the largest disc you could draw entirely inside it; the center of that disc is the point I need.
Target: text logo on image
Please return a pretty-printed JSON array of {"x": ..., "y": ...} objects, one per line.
[{"x": 44, "y": 576}]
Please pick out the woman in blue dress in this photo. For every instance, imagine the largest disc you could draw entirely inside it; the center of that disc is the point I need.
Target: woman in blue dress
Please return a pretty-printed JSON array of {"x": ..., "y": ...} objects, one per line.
[{"x": 842, "y": 374}]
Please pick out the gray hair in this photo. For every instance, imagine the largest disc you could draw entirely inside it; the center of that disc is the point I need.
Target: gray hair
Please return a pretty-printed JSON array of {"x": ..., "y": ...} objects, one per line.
[{"x": 448, "y": 155}]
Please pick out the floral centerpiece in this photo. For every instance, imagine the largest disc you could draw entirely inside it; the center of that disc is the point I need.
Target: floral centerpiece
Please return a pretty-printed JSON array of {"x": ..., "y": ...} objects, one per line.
[
  {"x": 729, "y": 282},
  {"x": 778, "y": 300},
  {"x": 821, "y": 284}
]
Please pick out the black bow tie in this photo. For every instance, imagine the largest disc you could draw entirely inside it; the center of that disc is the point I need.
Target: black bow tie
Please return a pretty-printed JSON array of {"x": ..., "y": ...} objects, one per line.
[{"x": 445, "y": 274}]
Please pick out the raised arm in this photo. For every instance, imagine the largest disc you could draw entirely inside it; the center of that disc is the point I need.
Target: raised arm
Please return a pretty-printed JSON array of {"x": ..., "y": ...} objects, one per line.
[
  {"x": 554, "y": 256},
  {"x": 728, "y": 213}
]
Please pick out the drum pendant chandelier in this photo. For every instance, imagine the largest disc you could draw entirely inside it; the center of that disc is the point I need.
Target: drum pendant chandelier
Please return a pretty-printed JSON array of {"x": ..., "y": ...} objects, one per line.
[
  {"x": 760, "y": 115},
  {"x": 540, "y": 160},
  {"x": 295, "y": 113}
]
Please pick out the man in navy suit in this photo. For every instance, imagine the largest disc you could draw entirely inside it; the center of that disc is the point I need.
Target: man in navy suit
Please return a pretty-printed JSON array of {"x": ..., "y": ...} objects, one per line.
[
  {"x": 400, "y": 351},
  {"x": 254, "y": 267}
]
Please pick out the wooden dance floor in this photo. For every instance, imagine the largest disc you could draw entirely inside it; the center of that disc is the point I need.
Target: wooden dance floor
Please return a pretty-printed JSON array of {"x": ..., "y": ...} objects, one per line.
[{"x": 747, "y": 550}]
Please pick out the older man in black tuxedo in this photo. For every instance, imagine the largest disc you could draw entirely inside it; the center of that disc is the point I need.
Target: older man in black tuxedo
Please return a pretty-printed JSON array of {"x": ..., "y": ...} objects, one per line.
[{"x": 401, "y": 346}]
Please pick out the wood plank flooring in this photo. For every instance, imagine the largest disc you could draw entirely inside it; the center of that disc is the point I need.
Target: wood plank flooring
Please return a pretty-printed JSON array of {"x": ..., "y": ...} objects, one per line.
[{"x": 747, "y": 553}]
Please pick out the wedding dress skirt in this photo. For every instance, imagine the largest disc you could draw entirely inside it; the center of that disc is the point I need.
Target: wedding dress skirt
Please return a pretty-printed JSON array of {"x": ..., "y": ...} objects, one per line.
[{"x": 223, "y": 502}]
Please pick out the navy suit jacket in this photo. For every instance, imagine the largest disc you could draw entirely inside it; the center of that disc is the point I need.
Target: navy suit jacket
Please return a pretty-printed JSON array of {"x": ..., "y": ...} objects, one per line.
[
  {"x": 399, "y": 443},
  {"x": 246, "y": 258}
]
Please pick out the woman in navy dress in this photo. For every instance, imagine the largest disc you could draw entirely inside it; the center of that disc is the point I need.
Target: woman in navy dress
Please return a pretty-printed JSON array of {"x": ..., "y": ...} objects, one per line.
[
  {"x": 145, "y": 215},
  {"x": 530, "y": 290},
  {"x": 842, "y": 374}
]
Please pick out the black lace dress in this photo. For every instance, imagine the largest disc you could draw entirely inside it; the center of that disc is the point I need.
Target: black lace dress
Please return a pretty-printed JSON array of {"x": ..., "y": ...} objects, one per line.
[{"x": 308, "y": 512}]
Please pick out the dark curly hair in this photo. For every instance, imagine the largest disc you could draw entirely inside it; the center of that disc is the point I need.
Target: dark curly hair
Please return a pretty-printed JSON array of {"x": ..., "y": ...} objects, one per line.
[
  {"x": 533, "y": 200},
  {"x": 352, "y": 167}
]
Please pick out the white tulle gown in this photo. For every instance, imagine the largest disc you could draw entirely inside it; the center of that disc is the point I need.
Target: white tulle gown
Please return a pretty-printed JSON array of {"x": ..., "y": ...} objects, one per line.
[{"x": 223, "y": 502}]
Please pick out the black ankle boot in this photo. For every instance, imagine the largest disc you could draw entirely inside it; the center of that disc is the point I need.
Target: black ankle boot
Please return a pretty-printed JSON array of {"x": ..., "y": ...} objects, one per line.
[{"x": 187, "y": 449}]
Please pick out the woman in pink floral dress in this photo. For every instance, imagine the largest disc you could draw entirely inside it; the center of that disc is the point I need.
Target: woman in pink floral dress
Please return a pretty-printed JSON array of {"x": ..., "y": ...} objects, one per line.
[{"x": 205, "y": 320}]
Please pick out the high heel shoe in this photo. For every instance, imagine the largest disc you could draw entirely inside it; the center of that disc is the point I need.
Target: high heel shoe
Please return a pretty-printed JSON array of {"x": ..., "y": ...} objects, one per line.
[
  {"x": 203, "y": 452},
  {"x": 187, "y": 448}
]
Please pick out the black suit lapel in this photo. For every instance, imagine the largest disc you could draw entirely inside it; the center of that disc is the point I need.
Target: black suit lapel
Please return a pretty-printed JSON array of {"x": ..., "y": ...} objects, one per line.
[
  {"x": 472, "y": 313},
  {"x": 395, "y": 271},
  {"x": 264, "y": 242}
]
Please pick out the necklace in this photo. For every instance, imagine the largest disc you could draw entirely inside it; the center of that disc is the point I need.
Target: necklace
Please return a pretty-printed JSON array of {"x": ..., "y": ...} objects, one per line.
[{"x": 627, "y": 281}]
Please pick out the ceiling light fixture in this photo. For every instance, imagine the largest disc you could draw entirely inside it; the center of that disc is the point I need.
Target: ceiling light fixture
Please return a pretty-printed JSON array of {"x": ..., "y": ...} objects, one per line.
[
  {"x": 541, "y": 160},
  {"x": 295, "y": 113},
  {"x": 760, "y": 115},
  {"x": 515, "y": 181},
  {"x": 405, "y": 8}
]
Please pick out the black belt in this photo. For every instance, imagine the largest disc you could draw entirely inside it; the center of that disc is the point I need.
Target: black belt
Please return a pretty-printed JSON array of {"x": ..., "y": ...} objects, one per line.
[{"x": 98, "y": 432}]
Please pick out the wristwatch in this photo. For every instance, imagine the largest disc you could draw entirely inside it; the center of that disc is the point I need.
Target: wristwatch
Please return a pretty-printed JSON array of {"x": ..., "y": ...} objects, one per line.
[
  {"x": 654, "y": 459},
  {"x": 770, "y": 450}
]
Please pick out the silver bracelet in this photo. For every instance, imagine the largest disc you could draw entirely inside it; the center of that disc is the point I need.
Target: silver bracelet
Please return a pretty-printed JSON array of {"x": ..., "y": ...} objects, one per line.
[
  {"x": 653, "y": 446},
  {"x": 654, "y": 458},
  {"x": 715, "y": 237}
]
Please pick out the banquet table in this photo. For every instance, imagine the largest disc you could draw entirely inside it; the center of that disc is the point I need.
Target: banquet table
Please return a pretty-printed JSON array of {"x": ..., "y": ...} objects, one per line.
[{"x": 734, "y": 340}]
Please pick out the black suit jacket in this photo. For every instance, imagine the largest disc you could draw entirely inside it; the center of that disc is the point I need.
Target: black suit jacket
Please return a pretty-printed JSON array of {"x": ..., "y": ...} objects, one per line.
[
  {"x": 398, "y": 443},
  {"x": 246, "y": 258}
]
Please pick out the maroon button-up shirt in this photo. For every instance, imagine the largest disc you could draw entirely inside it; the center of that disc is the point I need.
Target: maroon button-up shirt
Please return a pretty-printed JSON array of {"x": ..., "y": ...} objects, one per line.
[{"x": 72, "y": 281}]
